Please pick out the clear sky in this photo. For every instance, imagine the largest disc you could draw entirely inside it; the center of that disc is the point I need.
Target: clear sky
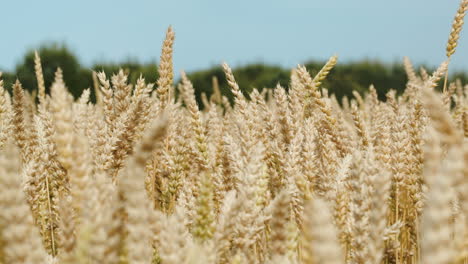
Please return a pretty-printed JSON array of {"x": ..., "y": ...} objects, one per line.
[{"x": 208, "y": 32}]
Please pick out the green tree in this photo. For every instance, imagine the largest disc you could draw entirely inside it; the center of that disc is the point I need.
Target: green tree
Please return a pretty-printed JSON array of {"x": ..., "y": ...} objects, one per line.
[{"x": 342, "y": 80}]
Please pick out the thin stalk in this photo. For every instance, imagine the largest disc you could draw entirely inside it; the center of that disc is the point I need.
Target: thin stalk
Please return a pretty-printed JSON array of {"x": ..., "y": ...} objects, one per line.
[
  {"x": 397, "y": 191},
  {"x": 446, "y": 76},
  {"x": 49, "y": 205}
]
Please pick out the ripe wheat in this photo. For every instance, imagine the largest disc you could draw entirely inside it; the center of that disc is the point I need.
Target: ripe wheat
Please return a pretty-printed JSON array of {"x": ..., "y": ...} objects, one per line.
[{"x": 290, "y": 176}]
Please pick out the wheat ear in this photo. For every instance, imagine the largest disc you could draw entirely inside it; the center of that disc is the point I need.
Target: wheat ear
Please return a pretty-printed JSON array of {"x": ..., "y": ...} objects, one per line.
[
  {"x": 165, "y": 69},
  {"x": 39, "y": 77},
  {"x": 455, "y": 33}
]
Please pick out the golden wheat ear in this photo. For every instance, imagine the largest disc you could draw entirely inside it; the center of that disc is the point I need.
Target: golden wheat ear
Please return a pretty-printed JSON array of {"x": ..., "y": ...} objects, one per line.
[
  {"x": 166, "y": 71},
  {"x": 239, "y": 96},
  {"x": 5, "y": 114},
  {"x": 39, "y": 77},
  {"x": 23, "y": 132},
  {"x": 456, "y": 28},
  {"x": 455, "y": 33},
  {"x": 196, "y": 121},
  {"x": 409, "y": 69}
]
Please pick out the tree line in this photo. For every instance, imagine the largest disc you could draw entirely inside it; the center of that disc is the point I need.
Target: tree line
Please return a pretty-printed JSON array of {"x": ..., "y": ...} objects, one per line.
[{"x": 342, "y": 80}]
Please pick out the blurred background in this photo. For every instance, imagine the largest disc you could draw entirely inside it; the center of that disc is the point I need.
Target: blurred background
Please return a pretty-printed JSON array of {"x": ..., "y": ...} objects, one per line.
[{"x": 262, "y": 40}]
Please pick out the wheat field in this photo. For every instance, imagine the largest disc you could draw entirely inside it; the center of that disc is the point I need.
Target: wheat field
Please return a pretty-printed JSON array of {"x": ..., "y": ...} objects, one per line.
[{"x": 285, "y": 175}]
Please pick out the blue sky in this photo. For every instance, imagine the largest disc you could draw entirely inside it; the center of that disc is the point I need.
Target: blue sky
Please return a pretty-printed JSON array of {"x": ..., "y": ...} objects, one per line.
[{"x": 208, "y": 32}]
